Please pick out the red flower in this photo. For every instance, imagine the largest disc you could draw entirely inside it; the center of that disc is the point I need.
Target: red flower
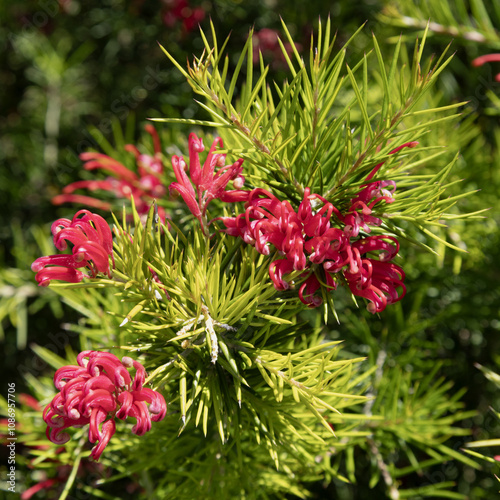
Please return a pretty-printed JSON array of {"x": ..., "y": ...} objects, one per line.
[
  {"x": 310, "y": 244},
  {"x": 375, "y": 280},
  {"x": 143, "y": 186},
  {"x": 209, "y": 184},
  {"x": 100, "y": 387},
  {"x": 92, "y": 243}
]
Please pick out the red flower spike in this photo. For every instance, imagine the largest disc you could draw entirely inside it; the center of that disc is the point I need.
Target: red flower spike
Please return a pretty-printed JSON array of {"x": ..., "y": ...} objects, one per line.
[
  {"x": 92, "y": 243},
  {"x": 208, "y": 183},
  {"x": 96, "y": 392},
  {"x": 306, "y": 239}
]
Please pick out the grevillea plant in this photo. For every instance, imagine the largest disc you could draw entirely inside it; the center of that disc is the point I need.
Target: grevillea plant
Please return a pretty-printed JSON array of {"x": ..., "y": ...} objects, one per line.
[
  {"x": 100, "y": 386},
  {"x": 309, "y": 196}
]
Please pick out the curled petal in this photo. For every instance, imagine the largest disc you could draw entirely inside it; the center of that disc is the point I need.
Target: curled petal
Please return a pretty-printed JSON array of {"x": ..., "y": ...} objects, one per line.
[
  {"x": 53, "y": 431},
  {"x": 97, "y": 417},
  {"x": 99, "y": 382},
  {"x": 234, "y": 196},
  {"x": 59, "y": 225},
  {"x": 277, "y": 270},
  {"x": 254, "y": 196},
  {"x": 297, "y": 255},
  {"x": 140, "y": 376},
  {"x": 108, "y": 429},
  {"x": 67, "y": 372},
  {"x": 156, "y": 401},
  {"x": 108, "y": 362},
  {"x": 126, "y": 400},
  {"x": 45, "y": 276},
  {"x": 188, "y": 196},
  {"x": 235, "y": 226},
  {"x": 305, "y": 210},
  {"x": 102, "y": 228},
  {"x": 72, "y": 401},
  {"x": 317, "y": 224},
  {"x": 378, "y": 242},
  {"x": 195, "y": 145},
  {"x": 140, "y": 412},
  {"x": 57, "y": 436},
  {"x": 378, "y": 301},
  {"x": 98, "y": 388},
  {"x": 219, "y": 182},
  {"x": 83, "y": 358},
  {"x": 91, "y": 251},
  {"x": 52, "y": 418},
  {"x": 92, "y": 240},
  {"x": 73, "y": 235},
  {"x": 99, "y": 398},
  {"x": 66, "y": 261},
  {"x": 381, "y": 286},
  {"x": 310, "y": 286},
  {"x": 73, "y": 386}
]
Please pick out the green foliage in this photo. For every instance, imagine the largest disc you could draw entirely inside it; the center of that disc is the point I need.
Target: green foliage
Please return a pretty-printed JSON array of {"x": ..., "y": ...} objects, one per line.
[
  {"x": 473, "y": 21},
  {"x": 263, "y": 399},
  {"x": 326, "y": 131}
]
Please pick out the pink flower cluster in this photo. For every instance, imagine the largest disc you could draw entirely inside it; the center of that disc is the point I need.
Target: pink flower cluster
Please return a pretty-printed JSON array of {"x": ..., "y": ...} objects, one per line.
[
  {"x": 101, "y": 386},
  {"x": 311, "y": 239},
  {"x": 208, "y": 183},
  {"x": 92, "y": 243},
  {"x": 143, "y": 186},
  {"x": 307, "y": 239}
]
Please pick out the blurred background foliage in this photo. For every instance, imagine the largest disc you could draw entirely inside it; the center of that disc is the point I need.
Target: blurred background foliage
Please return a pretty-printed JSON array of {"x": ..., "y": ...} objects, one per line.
[{"x": 74, "y": 74}]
